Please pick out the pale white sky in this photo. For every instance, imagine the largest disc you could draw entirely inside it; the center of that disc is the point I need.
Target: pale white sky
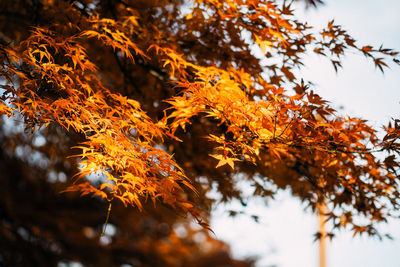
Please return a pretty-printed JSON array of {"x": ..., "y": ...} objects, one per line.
[{"x": 284, "y": 236}]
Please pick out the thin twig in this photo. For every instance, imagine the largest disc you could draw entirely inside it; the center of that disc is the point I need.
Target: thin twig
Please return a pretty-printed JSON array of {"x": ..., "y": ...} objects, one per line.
[
  {"x": 287, "y": 125},
  {"x": 107, "y": 218}
]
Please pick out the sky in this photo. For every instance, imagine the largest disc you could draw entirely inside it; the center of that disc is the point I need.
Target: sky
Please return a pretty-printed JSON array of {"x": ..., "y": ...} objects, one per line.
[{"x": 284, "y": 235}]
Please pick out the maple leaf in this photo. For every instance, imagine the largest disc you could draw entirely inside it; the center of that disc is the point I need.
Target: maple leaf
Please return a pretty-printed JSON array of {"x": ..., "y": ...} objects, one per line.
[
  {"x": 224, "y": 160},
  {"x": 263, "y": 44}
]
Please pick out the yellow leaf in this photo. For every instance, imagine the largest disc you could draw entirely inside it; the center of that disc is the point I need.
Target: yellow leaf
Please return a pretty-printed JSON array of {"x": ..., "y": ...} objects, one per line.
[
  {"x": 224, "y": 160},
  {"x": 263, "y": 44}
]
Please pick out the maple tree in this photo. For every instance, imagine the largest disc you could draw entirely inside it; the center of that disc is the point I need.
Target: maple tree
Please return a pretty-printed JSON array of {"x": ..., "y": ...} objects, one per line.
[{"x": 151, "y": 104}]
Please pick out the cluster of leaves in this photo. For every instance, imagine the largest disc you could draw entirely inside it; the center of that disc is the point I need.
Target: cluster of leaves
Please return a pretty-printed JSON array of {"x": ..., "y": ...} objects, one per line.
[
  {"x": 61, "y": 87},
  {"x": 140, "y": 81}
]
